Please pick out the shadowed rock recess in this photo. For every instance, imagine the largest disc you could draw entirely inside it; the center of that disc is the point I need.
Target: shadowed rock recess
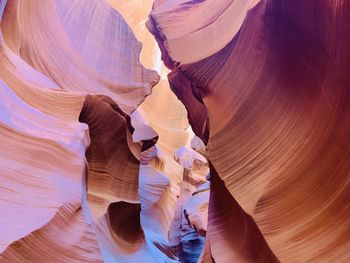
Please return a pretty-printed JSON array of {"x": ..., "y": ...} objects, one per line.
[{"x": 175, "y": 131}]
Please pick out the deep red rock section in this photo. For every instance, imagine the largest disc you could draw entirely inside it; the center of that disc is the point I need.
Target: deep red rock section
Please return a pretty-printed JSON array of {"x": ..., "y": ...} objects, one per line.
[{"x": 277, "y": 96}]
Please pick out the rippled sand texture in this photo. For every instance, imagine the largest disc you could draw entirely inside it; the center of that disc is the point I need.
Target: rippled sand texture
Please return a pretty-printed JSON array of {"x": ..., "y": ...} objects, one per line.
[{"x": 275, "y": 86}]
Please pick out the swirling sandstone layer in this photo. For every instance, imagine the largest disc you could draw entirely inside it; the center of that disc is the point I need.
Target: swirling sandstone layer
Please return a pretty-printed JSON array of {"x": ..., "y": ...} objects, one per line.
[
  {"x": 95, "y": 168},
  {"x": 53, "y": 54},
  {"x": 83, "y": 46},
  {"x": 275, "y": 87}
]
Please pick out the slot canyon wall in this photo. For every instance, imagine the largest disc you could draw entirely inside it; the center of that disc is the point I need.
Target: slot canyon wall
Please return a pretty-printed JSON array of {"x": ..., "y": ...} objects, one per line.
[{"x": 175, "y": 131}]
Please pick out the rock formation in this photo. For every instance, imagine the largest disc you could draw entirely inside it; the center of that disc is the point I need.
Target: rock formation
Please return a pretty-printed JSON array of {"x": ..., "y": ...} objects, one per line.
[
  {"x": 174, "y": 131},
  {"x": 277, "y": 98}
]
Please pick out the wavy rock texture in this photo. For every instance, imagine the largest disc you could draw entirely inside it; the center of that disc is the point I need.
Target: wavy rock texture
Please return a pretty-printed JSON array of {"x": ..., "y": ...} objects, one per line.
[
  {"x": 113, "y": 183},
  {"x": 92, "y": 49},
  {"x": 161, "y": 185},
  {"x": 95, "y": 168},
  {"x": 188, "y": 227},
  {"x": 64, "y": 61},
  {"x": 53, "y": 54},
  {"x": 277, "y": 96},
  {"x": 113, "y": 168},
  {"x": 194, "y": 224}
]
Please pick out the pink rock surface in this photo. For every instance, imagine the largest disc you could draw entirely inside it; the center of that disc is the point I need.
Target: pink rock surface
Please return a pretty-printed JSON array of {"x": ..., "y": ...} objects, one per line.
[
  {"x": 108, "y": 144},
  {"x": 83, "y": 46},
  {"x": 277, "y": 99},
  {"x": 47, "y": 69}
]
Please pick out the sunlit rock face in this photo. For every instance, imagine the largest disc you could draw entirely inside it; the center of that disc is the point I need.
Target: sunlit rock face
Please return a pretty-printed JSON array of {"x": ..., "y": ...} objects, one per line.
[
  {"x": 95, "y": 178},
  {"x": 174, "y": 131},
  {"x": 66, "y": 56},
  {"x": 69, "y": 168},
  {"x": 276, "y": 91}
]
